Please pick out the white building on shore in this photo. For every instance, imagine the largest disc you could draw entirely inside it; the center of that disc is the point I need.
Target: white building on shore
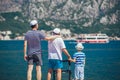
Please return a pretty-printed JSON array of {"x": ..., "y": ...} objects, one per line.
[{"x": 4, "y": 35}]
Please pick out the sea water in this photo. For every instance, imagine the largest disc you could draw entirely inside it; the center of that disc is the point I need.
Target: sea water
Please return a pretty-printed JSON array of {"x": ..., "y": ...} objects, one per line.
[{"x": 102, "y": 60}]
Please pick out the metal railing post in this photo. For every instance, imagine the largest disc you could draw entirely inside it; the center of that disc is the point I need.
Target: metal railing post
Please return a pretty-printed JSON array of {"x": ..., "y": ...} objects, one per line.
[{"x": 54, "y": 73}]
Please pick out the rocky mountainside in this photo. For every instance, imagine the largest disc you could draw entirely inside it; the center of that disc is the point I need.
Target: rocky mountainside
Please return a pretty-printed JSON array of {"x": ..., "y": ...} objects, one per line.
[
  {"x": 85, "y": 11},
  {"x": 80, "y": 16},
  {"x": 10, "y": 5}
]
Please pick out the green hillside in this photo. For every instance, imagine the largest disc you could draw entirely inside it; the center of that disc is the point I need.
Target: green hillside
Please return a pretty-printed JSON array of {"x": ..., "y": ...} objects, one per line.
[
  {"x": 80, "y": 16},
  {"x": 12, "y": 24},
  {"x": 16, "y": 23}
]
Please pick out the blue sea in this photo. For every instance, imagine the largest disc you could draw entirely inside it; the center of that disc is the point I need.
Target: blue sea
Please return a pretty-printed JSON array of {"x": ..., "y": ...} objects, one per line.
[{"x": 102, "y": 60}]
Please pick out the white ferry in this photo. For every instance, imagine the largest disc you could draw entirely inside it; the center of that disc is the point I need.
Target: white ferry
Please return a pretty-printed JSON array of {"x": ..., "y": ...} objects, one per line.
[{"x": 93, "y": 38}]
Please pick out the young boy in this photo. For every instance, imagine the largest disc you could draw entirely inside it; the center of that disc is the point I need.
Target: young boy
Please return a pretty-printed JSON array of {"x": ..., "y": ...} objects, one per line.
[{"x": 79, "y": 59}]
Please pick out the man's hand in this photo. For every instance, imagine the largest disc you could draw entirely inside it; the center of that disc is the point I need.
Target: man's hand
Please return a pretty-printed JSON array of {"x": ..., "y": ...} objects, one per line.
[
  {"x": 25, "y": 57},
  {"x": 69, "y": 58},
  {"x": 25, "y": 50},
  {"x": 72, "y": 60}
]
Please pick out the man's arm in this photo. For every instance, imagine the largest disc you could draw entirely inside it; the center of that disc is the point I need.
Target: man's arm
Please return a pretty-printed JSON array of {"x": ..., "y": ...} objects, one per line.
[
  {"x": 73, "y": 60},
  {"x": 25, "y": 50},
  {"x": 52, "y": 37},
  {"x": 66, "y": 53}
]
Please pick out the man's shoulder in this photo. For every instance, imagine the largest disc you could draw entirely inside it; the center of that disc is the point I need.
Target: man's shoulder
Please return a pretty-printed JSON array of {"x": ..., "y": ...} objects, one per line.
[
  {"x": 40, "y": 32},
  {"x": 59, "y": 39},
  {"x": 28, "y": 31},
  {"x": 37, "y": 31}
]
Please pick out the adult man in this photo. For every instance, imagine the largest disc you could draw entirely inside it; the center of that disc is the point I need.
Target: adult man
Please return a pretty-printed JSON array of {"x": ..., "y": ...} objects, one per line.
[
  {"x": 32, "y": 49},
  {"x": 55, "y": 49}
]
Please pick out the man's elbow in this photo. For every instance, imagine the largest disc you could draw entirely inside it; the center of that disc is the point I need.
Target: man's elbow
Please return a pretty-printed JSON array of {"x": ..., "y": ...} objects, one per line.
[{"x": 64, "y": 49}]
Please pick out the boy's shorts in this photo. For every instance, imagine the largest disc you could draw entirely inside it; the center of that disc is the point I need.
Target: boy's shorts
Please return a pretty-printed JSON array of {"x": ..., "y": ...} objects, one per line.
[
  {"x": 55, "y": 64},
  {"x": 34, "y": 58},
  {"x": 79, "y": 72}
]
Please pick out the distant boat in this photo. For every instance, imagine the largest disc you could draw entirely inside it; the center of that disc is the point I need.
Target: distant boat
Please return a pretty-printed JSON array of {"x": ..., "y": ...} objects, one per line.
[{"x": 93, "y": 38}]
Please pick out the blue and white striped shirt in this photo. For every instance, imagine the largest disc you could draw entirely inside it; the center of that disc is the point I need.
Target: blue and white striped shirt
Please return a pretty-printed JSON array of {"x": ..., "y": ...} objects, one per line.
[{"x": 80, "y": 58}]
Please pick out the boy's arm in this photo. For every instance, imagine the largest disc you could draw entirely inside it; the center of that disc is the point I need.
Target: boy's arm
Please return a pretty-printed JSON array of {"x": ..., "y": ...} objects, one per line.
[{"x": 25, "y": 50}]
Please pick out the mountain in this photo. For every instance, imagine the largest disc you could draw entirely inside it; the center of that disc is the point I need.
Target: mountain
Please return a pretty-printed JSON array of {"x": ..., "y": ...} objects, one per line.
[
  {"x": 10, "y": 5},
  {"x": 80, "y": 16}
]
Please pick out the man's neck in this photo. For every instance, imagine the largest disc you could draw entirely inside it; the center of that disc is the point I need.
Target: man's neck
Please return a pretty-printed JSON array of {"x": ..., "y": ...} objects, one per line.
[{"x": 34, "y": 29}]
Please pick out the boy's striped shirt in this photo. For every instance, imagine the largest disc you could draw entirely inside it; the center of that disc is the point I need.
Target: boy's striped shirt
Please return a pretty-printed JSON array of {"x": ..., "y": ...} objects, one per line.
[{"x": 80, "y": 58}]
